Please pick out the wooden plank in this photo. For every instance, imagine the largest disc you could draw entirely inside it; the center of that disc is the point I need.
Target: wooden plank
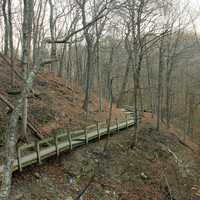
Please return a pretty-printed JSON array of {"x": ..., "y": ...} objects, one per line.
[
  {"x": 62, "y": 135},
  {"x": 27, "y": 146},
  {"x": 77, "y": 132},
  {"x": 126, "y": 121},
  {"x": 86, "y": 136},
  {"x": 103, "y": 131},
  {"x": 108, "y": 127},
  {"x": 98, "y": 132},
  {"x": 70, "y": 140},
  {"x": 46, "y": 140},
  {"x": 91, "y": 126},
  {"x": 38, "y": 152},
  {"x": 102, "y": 124},
  {"x": 55, "y": 149},
  {"x": 117, "y": 125},
  {"x": 35, "y": 130},
  {"x": 19, "y": 159},
  {"x": 56, "y": 145}
]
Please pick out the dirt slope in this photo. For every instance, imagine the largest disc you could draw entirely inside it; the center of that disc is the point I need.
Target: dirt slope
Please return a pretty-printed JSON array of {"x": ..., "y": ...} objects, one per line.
[
  {"x": 55, "y": 104},
  {"x": 158, "y": 168}
]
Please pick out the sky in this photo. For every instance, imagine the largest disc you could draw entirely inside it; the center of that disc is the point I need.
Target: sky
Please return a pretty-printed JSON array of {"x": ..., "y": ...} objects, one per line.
[
  {"x": 193, "y": 8},
  {"x": 194, "y": 2}
]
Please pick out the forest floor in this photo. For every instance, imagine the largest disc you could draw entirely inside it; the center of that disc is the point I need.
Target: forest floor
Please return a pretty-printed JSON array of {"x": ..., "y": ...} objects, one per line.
[
  {"x": 160, "y": 167},
  {"x": 54, "y": 103}
]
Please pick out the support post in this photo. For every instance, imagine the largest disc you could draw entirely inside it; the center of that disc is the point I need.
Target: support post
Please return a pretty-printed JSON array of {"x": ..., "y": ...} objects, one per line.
[
  {"x": 98, "y": 132},
  {"x": 117, "y": 125},
  {"x": 126, "y": 121},
  {"x": 86, "y": 136},
  {"x": 19, "y": 159},
  {"x": 38, "y": 152},
  {"x": 70, "y": 140},
  {"x": 56, "y": 145},
  {"x": 108, "y": 127}
]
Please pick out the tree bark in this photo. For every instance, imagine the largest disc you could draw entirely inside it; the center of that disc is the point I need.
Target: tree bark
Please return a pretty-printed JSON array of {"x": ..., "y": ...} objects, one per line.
[
  {"x": 6, "y": 25},
  {"x": 160, "y": 79},
  {"x": 89, "y": 46},
  {"x": 26, "y": 52},
  {"x": 10, "y": 30},
  {"x": 11, "y": 137},
  {"x": 124, "y": 83},
  {"x": 52, "y": 31}
]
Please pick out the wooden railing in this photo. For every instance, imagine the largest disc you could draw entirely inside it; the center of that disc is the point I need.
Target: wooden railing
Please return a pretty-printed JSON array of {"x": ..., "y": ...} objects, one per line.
[{"x": 36, "y": 152}]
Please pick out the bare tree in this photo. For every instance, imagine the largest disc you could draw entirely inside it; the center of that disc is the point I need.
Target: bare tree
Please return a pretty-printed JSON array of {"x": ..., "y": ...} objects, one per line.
[
  {"x": 26, "y": 55},
  {"x": 52, "y": 23},
  {"x": 6, "y": 27},
  {"x": 11, "y": 136},
  {"x": 124, "y": 82},
  {"x": 102, "y": 8},
  {"x": 10, "y": 31},
  {"x": 38, "y": 26},
  {"x": 160, "y": 80}
]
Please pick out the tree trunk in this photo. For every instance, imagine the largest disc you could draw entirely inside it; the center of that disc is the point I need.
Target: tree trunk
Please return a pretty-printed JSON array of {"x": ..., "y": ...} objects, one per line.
[
  {"x": 89, "y": 46},
  {"x": 11, "y": 42},
  {"x": 11, "y": 138},
  {"x": 6, "y": 25},
  {"x": 124, "y": 83},
  {"x": 52, "y": 31},
  {"x": 26, "y": 52},
  {"x": 168, "y": 97},
  {"x": 99, "y": 76},
  {"x": 150, "y": 85},
  {"x": 191, "y": 115},
  {"x": 88, "y": 73},
  {"x": 69, "y": 62},
  {"x": 160, "y": 73},
  {"x": 62, "y": 57}
]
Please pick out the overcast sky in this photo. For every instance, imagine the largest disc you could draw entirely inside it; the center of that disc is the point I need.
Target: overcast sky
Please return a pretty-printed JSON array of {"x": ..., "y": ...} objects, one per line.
[
  {"x": 193, "y": 7},
  {"x": 195, "y": 2}
]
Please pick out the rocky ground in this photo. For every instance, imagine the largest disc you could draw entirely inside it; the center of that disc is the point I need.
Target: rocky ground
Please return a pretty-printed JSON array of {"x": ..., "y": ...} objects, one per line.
[{"x": 158, "y": 168}]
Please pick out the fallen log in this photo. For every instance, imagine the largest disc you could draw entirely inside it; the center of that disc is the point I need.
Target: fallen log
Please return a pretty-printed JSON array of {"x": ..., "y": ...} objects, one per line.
[
  {"x": 36, "y": 132},
  {"x": 7, "y": 61}
]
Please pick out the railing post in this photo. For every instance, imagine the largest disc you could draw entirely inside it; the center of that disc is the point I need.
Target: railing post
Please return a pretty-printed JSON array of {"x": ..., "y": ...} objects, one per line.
[
  {"x": 56, "y": 145},
  {"x": 117, "y": 125},
  {"x": 98, "y": 132},
  {"x": 140, "y": 117},
  {"x": 86, "y": 136},
  {"x": 70, "y": 140},
  {"x": 38, "y": 151},
  {"x": 19, "y": 159},
  {"x": 108, "y": 127},
  {"x": 126, "y": 121}
]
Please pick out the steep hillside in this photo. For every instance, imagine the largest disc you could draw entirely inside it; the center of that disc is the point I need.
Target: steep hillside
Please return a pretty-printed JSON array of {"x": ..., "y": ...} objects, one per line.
[
  {"x": 58, "y": 104},
  {"x": 158, "y": 168},
  {"x": 54, "y": 104}
]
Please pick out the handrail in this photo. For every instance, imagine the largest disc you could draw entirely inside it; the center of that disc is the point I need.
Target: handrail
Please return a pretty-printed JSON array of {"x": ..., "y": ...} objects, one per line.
[{"x": 36, "y": 152}]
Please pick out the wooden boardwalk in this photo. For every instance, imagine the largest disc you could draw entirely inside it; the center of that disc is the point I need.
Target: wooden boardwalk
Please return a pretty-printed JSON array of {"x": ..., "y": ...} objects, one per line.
[{"x": 40, "y": 150}]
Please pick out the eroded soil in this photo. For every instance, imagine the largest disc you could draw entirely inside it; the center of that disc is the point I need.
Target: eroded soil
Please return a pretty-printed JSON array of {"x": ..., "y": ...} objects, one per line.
[{"x": 158, "y": 168}]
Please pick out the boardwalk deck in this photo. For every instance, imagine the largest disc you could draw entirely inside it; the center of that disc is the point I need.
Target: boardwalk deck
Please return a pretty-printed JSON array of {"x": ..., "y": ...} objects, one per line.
[{"x": 36, "y": 152}]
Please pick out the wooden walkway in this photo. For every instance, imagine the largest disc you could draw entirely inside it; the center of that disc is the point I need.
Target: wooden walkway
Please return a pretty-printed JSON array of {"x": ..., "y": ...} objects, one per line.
[{"x": 45, "y": 148}]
